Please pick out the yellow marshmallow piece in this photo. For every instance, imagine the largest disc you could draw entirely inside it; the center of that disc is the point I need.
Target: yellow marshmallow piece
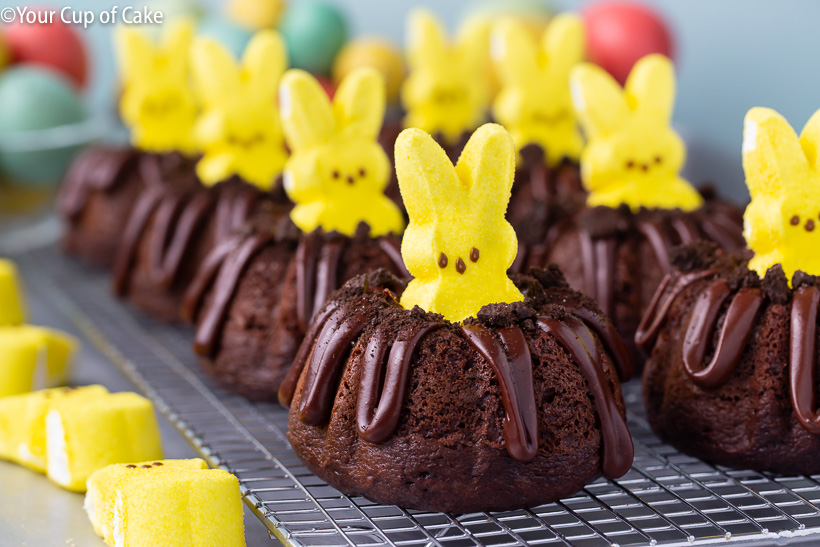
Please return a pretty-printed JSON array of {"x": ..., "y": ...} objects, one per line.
[
  {"x": 157, "y": 103},
  {"x": 12, "y": 306},
  {"x": 448, "y": 89},
  {"x": 782, "y": 221},
  {"x": 633, "y": 156},
  {"x": 338, "y": 171},
  {"x": 33, "y": 358},
  {"x": 23, "y": 423},
  {"x": 84, "y": 435},
  {"x": 458, "y": 245},
  {"x": 239, "y": 130},
  {"x": 534, "y": 103},
  {"x": 102, "y": 487},
  {"x": 185, "y": 508}
]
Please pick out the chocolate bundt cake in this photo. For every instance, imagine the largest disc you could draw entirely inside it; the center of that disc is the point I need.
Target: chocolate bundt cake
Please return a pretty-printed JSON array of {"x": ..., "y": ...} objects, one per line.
[
  {"x": 619, "y": 257},
  {"x": 254, "y": 297},
  {"x": 732, "y": 371},
  {"x": 519, "y": 407}
]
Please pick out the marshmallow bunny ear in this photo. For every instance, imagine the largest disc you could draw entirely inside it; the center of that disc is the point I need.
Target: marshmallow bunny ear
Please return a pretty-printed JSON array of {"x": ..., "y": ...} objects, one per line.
[
  {"x": 514, "y": 52},
  {"x": 264, "y": 62},
  {"x": 598, "y": 100},
  {"x": 426, "y": 39},
  {"x": 176, "y": 43},
  {"x": 650, "y": 86},
  {"x": 487, "y": 168},
  {"x": 563, "y": 43},
  {"x": 426, "y": 176},
  {"x": 473, "y": 42},
  {"x": 135, "y": 54},
  {"x": 359, "y": 103},
  {"x": 772, "y": 155},
  {"x": 810, "y": 139},
  {"x": 307, "y": 116},
  {"x": 215, "y": 74}
]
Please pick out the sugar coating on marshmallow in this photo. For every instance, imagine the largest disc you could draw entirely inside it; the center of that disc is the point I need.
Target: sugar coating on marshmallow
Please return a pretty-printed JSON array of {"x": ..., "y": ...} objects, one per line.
[
  {"x": 12, "y": 306},
  {"x": 101, "y": 487},
  {"x": 83, "y": 436},
  {"x": 23, "y": 423},
  {"x": 183, "y": 508}
]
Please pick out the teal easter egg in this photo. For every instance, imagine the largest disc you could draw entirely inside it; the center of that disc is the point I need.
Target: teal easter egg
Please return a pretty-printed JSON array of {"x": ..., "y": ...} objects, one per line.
[
  {"x": 33, "y": 99},
  {"x": 230, "y": 35},
  {"x": 314, "y": 32}
]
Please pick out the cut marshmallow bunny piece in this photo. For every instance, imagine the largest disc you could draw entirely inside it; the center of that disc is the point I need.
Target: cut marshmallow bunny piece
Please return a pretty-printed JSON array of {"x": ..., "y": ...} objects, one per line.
[
  {"x": 33, "y": 358},
  {"x": 83, "y": 436},
  {"x": 12, "y": 306}
]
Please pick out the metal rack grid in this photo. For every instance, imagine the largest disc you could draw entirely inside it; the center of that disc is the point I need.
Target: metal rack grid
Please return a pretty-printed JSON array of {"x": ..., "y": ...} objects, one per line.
[{"x": 666, "y": 499}]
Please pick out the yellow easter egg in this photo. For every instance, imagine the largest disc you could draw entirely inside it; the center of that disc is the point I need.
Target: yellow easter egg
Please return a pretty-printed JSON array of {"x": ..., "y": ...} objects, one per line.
[
  {"x": 458, "y": 245},
  {"x": 376, "y": 53},
  {"x": 256, "y": 14}
]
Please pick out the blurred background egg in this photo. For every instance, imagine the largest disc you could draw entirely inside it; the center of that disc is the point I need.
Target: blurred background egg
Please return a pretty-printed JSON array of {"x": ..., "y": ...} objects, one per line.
[
  {"x": 55, "y": 45},
  {"x": 256, "y": 14},
  {"x": 314, "y": 32},
  {"x": 377, "y": 53},
  {"x": 534, "y": 14},
  {"x": 31, "y": 99},
  {"x": 227, "y": 33},
  {"x": 5, "y": 52},
  {"x": 619, "y": 33}
]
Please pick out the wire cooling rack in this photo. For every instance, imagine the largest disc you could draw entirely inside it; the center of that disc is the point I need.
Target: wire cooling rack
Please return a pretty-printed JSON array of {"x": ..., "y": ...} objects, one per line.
[{"x": 666, "y": 499}]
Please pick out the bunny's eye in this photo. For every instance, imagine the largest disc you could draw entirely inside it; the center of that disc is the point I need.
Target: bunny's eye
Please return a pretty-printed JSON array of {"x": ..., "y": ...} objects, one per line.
[
  {"x": 335, "y": 174},
  {"x": 442, "y": 261},
  {"x": 795, "y": 220},
  {"x": 658, "y": 159},
  {"x": 362, "y": 172},
  {"x": 474, "y": 254}
]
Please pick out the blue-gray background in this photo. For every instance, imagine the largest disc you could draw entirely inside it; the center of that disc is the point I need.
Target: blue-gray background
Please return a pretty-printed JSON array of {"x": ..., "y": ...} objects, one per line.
[{"x": 731, "y": 55}]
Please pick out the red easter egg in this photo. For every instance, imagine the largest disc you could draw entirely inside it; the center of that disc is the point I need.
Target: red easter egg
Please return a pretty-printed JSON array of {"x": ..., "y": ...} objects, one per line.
[
  {"x": 327, "y": 84},
  {"x": 53, "y": 45},
  {"x": 619, "y": 33}
]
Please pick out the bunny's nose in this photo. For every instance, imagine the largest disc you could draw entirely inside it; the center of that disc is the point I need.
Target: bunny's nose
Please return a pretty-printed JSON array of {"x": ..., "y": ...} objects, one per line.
[
  {"x": 645, "y": 167},
  {"x": 461, "y": 267},
  {"x": 350, "y": 180}
]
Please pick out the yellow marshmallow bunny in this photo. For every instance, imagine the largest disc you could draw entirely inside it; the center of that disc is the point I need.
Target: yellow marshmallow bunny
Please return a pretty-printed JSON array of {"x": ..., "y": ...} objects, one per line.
[
  {"x": 458, "y": 245},
  {"x": 338, "y": 171},
  {"x": 447, "y": 91},
  {"x": 534, "y": 103},
  {"x": 782, "y": 222},
  {"x": 239, "y": 130},
  {"x": 633, "y": 156},
  {"x": 157, "y": 103}
]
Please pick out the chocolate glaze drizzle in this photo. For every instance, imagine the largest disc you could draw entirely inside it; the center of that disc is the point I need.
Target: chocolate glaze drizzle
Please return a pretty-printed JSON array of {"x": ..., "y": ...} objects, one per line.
[
  {"x": 97, "y": 168},
  {"x": 385, "y": 375},
  {"x": 738, "y": 325}
]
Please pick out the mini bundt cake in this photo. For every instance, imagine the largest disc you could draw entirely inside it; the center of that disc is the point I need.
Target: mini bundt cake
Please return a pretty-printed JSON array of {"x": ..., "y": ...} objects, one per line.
[
  {"x": 519, "y": 407},
  {"x": 256, "y": 293},
  {"x": 732, "y": 376}
]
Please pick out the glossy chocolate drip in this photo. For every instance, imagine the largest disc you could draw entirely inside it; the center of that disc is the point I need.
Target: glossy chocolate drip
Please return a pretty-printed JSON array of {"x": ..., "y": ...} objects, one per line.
[
  {"x": 659, "y": 241},
  {"x": 204, "y": 278},
  {"x": 146, "y": 205},
  {"x": 327, "y": 273},
  {"x": 536, "y": 255},
  {"x": 608, "y": 334},
  {"x": 96, "y": 169},
  {"x": 803, "y": 346},
  {"x": 599, "y": 269},
  {"x": 227, "y": 281},
  {"x": 233, "y": 208},
  {"x": 512, "y": 365},
  {"x": 392, "y": 249},
  {"x": 305, "y": 259},
  {"x": 382, "y": 389},
  {"x": 324, "y": 365},
  {"x": 737, "y": 326},
  {"x": 288, "y": 387},
  {"x": 722, "y": 229},
  {"x": 686, "y": 229},
  {"x": 583, "y": 349},
  {"x": 661, "y": 303}
]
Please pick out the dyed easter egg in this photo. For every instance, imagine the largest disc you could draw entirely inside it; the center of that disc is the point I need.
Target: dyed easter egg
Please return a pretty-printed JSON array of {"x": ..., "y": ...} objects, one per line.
[
  {"x": 314, "y": 32},
  {"x": 619, "y": 33},
  {"x": 376, "y": 53},
  {"x": 230, "y": 35},
  {"x": 5, "y": 53},
  {"x": 54, "y": 45},
  {"x": 256, "y": 14},
  {"x": 31, "y": 99}
]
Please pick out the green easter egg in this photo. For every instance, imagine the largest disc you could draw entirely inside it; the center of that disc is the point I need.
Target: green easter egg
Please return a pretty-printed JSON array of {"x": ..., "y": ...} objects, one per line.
[
  {"x": 34, "y": 99},
  {"x": 229, "y": 34},
  {"x": 314, "y": 32}
]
